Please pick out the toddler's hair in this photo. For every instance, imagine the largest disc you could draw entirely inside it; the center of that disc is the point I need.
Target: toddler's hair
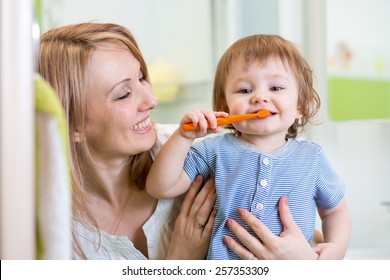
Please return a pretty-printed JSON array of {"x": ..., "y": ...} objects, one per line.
[{"x": 257, "y": 49}]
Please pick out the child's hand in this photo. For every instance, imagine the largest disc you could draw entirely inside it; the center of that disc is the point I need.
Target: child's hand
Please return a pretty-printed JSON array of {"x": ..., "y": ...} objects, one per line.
[
  {"x": 205, "y": 119},
  {"x": 329, "y": 251}
]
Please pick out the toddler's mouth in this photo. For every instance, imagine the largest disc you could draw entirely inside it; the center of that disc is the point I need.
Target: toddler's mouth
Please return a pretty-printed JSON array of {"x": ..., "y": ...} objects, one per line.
[{"x": 271, "y": 113}]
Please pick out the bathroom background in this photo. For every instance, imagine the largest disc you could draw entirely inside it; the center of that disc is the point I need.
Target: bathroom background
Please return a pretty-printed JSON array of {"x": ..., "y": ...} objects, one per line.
[{"x": 346, "y": 42}]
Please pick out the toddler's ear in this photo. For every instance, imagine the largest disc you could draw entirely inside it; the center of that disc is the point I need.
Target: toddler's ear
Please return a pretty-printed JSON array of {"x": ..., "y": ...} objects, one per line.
[{"x": 299, "y": 113}]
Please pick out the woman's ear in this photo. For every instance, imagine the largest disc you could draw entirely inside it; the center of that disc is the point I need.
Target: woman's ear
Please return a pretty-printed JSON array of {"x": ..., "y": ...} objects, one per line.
[{"x": 76, "y": 137}]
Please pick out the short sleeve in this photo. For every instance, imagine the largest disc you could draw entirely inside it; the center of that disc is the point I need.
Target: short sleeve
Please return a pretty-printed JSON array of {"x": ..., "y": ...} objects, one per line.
[
  {"x": 198, "y": 161},
  {"x": 330, "y": 189}
]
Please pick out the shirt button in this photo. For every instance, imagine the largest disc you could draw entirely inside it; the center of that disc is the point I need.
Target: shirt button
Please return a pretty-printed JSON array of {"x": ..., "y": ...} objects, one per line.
[
  {"x": 259, "y": 206},
  {"x": 264, "y": 183},
  {"x": 266, "y": 161}
]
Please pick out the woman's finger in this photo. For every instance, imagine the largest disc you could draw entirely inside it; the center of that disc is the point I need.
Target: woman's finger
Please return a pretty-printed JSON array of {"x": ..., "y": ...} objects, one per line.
[
  {"x": 247, "y": 239},
  {"x": 285, "y": 215},
  {"x": 208, "y": 229},
  {"x": 201, "y": 197},
  {"x": 260, "y": 229},
  {"x": 191, "y": 195},
  {"x": 204, "y": 203},
  {"x": 238, "y": 249}
]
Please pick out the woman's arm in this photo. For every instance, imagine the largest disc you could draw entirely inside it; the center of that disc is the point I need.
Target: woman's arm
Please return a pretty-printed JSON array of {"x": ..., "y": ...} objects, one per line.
[
  {"x": 291, "y": 244},
  {"x": 192, "y": 233}
]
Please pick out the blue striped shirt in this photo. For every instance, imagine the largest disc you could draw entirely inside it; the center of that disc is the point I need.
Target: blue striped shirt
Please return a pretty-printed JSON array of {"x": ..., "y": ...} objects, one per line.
[{"x": 247, "y": 178}]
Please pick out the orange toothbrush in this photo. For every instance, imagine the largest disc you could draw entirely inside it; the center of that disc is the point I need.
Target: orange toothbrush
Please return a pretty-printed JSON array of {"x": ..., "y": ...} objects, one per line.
[{"x": 231, "y": 119}]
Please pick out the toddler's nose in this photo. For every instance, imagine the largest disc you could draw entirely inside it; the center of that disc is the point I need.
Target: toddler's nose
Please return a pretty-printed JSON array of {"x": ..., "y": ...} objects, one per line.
[{"x": 260, "y": 97}]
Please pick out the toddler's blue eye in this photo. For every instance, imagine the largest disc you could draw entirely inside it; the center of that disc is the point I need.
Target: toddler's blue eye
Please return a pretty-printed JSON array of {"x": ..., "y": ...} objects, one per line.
[
  {"x": 245, "y": 90},
  {"x": 276, "y": 88}
]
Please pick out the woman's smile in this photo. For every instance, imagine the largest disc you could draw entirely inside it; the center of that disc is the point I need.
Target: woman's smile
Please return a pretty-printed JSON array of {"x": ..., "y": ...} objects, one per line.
[{"x": 143, "y": 125}]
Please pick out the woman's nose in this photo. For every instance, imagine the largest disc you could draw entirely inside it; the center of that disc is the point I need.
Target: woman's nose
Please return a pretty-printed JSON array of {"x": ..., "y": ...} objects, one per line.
[{"x": 148, "y": 100}]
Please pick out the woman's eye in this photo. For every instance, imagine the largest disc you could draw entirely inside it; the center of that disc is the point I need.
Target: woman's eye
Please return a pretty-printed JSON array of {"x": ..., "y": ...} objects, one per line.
[{"x": 127, "y": 94}]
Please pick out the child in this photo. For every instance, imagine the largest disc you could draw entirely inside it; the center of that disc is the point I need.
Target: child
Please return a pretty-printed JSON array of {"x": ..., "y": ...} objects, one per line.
[{"x": 261, "y": 160}]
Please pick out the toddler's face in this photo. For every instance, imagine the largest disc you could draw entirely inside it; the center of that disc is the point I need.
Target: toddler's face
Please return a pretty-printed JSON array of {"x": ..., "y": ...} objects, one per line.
[{"x": 272, "y": 86}]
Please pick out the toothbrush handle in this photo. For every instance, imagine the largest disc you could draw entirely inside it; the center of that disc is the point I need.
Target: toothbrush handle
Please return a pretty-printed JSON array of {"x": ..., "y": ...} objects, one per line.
[
  {"x": 190, "y": 126},
  {"x": 229, "y": 120}
]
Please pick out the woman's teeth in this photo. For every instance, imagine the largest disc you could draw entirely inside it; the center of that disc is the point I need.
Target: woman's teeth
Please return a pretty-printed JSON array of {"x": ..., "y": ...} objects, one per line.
[{"x": 141, "y": 125}]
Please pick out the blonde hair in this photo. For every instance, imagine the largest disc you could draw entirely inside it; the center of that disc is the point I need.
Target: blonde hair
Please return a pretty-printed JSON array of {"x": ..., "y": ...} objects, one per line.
[
  {"x": 258, "y": 48},
  {"x": 64, "y": 59}
]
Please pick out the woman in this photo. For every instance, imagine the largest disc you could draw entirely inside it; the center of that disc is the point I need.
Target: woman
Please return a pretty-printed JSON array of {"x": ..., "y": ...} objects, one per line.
[{"x": 102, "y": 82}]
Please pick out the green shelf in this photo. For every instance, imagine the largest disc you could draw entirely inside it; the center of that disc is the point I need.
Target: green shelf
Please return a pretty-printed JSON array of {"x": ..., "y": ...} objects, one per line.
[{"x": 351, "y": 98}]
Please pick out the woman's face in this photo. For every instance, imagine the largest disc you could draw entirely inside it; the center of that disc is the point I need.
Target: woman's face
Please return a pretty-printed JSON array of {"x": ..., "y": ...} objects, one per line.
[{"x": 118, "y": 105}]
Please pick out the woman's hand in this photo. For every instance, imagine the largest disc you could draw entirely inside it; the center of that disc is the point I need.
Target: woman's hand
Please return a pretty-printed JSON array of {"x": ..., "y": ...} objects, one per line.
[
  {"x": 192, "y": 233},
  {"x": 291, "y": 244}
]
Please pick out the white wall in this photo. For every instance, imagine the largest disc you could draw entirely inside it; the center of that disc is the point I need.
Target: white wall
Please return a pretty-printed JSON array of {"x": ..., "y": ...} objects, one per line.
[
  {"x": 361, "y": 149},
  {"x": 178, "y": 31},
  {"x": 363, "y": 26}
]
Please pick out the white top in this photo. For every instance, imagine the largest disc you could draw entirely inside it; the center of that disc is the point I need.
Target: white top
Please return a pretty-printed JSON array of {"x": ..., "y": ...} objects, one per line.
[{"x": 157, "y": 229}]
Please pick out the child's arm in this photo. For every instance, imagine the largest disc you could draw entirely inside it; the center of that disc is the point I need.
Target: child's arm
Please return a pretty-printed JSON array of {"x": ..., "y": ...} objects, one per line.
[
  {"x": 336, "y": 227},
  {"x": 166, "y": 177}
]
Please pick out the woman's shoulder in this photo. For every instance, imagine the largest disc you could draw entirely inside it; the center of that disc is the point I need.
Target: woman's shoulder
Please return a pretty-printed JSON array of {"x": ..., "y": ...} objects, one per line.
[{"x": 163, "y": 132}]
